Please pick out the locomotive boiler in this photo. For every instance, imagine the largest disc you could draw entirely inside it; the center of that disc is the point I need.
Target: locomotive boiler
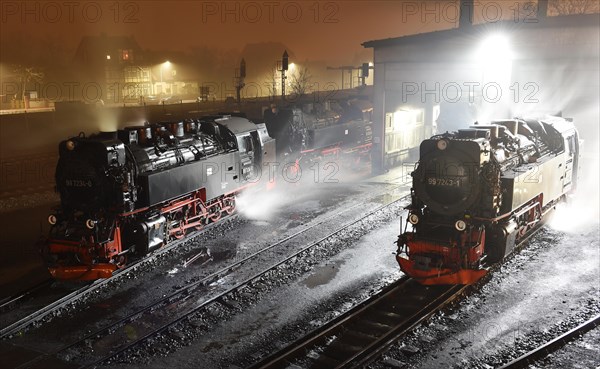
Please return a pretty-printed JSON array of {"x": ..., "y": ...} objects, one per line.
[
  {"x": 478, "y": 191},
  {"x": 125, "y": 194}
]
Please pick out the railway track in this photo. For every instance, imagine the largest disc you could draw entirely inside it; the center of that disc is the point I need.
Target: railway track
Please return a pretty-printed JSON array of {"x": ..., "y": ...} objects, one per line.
[
  {"x": 10, "y": 303},
  {"x": 541, "y": 352},
  {"x": 66, "y": 300},
  {"x": 37, "y": 316},
  {"x": 360, "y": 335},
  {"x": 152, "y": 318},
  {"x": 47, "y": 310}
]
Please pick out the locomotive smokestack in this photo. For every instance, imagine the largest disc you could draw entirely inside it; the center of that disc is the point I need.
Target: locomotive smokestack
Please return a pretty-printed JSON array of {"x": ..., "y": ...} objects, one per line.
[{"x": 467, "y": 8}]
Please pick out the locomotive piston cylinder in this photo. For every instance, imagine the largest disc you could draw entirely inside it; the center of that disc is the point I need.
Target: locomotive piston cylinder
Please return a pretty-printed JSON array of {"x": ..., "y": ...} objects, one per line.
[
  {"x": 151, "y": 235},
  {"x": 502, "y": 240}
]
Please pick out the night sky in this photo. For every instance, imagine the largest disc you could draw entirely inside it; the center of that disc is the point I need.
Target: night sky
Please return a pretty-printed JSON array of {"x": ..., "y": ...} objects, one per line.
[{"x": 327, "y": 30}]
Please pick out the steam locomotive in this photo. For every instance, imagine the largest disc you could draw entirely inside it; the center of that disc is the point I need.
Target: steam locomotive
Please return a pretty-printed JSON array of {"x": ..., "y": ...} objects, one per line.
[
  {"x": 127, "y": 193},
  {"x": 478, "y": 191},
  {"x": 312, "y": 132}
]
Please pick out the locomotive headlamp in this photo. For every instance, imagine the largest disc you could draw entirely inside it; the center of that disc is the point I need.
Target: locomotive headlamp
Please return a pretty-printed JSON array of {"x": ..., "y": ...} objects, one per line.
[
  {"x": 413, "y": 219},
  {"x": 52, "y": 219},
  {"x": 442, "y": 144},
  {"x": 90, "y": 224},
  {"x": 70, "y": 145},
  {"x": 460, "y": 225}
]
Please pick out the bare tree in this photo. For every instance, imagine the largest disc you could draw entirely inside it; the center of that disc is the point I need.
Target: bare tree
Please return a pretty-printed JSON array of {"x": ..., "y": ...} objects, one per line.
[
  {"x": 528, "y": 10},
  {"x": 301, "y": 81},
  {"x": 25, "y": 76},
  {"x": 565, "y": 7},
  {"x": 269, "y": 81}
]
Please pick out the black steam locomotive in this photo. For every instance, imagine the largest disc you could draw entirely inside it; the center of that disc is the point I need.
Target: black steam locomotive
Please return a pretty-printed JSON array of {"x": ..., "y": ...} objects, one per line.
[
  {"x": 312, "y": 132},
  {"x": 478, "y": 191},
  {"x": 130, "y": 192}
]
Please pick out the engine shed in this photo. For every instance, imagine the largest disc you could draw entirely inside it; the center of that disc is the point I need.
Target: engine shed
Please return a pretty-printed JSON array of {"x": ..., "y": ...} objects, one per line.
[{"x": 441, "y": 81}]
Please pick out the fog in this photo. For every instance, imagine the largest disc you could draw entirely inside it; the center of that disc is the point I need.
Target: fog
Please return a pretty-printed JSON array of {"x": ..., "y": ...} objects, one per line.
[
  {"x": 306, "y": 183},
  {"x": 580, "y": 212}
]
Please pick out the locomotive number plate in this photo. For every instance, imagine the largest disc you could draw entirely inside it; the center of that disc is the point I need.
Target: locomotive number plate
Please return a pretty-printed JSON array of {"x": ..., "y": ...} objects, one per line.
[
  {"x": 449, "y": 182},
  {"x": 78, "y": 183}
]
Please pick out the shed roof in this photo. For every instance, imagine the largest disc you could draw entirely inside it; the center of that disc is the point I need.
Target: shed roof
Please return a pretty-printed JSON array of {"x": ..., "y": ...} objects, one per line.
[{"x": 572, "y": 21}]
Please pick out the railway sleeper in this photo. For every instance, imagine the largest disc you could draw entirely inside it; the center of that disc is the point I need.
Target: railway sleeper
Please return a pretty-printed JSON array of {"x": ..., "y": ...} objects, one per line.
[
  {"x": 386, "y": 317},
  {"x": 340, "y": 352},
  {"x": 324, "y": 361},
  {"x": 344, "y": 344},
  {"x": 371, "y": 328},
  {"x": 361, "y": 337}
]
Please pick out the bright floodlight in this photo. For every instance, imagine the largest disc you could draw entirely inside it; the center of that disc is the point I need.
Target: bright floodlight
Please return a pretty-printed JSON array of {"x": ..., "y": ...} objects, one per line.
[
  {"x": 495, "y": 49},
  {"x": 494, "y": 57}
]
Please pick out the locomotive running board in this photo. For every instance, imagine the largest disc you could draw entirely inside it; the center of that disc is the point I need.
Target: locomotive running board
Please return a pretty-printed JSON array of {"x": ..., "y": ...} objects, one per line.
[{"x": 83, "y": 272}]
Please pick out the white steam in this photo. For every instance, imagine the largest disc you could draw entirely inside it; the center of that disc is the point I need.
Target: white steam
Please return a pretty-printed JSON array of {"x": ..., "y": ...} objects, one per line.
[{"x": 582, "y": 210}]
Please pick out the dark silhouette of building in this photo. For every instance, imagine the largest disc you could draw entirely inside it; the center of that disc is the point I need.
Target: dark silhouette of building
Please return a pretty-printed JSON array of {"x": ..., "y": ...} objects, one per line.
[{"x": 116, "y": 64}]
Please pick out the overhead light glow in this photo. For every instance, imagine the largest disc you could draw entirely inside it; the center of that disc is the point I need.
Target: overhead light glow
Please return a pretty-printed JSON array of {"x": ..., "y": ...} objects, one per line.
[
  {"x": 494, "y": 57},
  {"x": 495, "y": 49},
  {"x": 403, "y": 118}
]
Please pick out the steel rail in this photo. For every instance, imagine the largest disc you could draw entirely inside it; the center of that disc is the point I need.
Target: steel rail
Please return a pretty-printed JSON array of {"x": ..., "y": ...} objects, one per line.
[
  {"x": 285, "y": 357},
  {"x": 186, "y": 290},
  {"x": 7, "y": 303},
  {"x": 553, "y": 345},
  {"x": 346, "y": 340},
  {"x": 72, "y": 297}
]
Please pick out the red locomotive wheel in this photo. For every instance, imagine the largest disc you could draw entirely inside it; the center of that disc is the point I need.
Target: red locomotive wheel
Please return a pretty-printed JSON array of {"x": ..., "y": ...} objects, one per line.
[
  {"x": 215, "y": 212},
  {"x": 230, "y": 205}
]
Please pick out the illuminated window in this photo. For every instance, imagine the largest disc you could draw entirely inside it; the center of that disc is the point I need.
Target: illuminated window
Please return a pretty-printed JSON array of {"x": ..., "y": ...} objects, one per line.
[
  {"x": 126, "y": 54},
  {"x": 406, "y": 118},
  {"x": 107, "y": 57}
]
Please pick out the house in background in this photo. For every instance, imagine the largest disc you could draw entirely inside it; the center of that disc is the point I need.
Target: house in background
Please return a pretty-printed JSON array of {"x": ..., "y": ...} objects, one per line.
[{"x": 116, "y": 66}]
